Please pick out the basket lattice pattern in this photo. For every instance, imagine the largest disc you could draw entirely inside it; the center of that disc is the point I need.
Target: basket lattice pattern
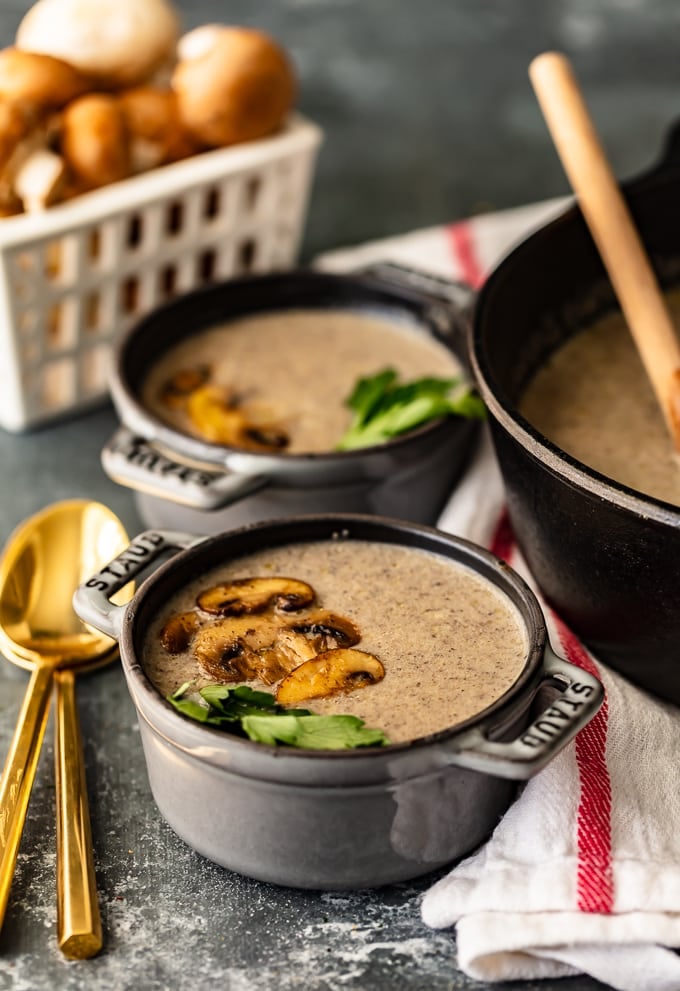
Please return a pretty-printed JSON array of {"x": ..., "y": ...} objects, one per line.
[{"x": 78, "y": 275}]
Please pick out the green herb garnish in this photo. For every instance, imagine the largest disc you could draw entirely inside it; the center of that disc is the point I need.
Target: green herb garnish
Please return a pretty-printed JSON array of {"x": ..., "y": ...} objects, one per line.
[
  {"x": 384, "y": 407},
  {"x": 258, "y": 716},
  {"x": 313, "y": 732}
]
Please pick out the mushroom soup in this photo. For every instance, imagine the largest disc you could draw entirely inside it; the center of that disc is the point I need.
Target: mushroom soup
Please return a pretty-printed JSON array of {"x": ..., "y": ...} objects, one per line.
[
  {"x": 593, "y": 399},
  {"x": 287, "y": 373},
  {"x": 409, "y": 641}
]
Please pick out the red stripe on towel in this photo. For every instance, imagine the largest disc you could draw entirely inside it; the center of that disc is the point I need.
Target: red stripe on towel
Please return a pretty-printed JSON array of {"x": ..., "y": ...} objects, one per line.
[
  {"x": 594, "y": 877},
  {"x": 594, "y": 874},
  {"x": 461, "y": 240},
  {"x": 503, "y": 540}
]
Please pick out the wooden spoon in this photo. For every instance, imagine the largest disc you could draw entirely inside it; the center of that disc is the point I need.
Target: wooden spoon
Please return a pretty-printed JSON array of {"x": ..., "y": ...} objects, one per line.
[{"x": 613, "y": 230}]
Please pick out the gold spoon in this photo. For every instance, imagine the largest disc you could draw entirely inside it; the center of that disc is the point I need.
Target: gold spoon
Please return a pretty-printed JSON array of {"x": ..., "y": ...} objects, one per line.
[{"x": 44, "y": 561}]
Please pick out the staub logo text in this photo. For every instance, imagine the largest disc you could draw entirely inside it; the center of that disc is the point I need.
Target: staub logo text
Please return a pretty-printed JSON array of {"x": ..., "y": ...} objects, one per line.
[
  {"x": 127, "y": 564},
  {"x": 137, "y": 453},
  {"x": 561, "y": 713}
]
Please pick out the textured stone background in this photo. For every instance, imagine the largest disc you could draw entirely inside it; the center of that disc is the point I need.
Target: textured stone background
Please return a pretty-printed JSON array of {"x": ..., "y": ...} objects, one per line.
[{"x": 428, "y": 116}]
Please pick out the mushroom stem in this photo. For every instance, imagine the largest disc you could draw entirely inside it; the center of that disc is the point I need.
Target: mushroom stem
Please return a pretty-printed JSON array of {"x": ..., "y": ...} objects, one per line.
[{"x": 39, "y": 180}]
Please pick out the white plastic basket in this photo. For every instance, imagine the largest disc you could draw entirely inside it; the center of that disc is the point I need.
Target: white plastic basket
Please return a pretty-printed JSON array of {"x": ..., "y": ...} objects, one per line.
[{"x": 75, "y": 276}]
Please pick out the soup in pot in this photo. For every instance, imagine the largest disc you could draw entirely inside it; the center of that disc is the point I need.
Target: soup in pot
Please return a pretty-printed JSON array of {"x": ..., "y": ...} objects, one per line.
[
  {"x": 593, "y": 399},
  {"x": 409, "y": 641}
]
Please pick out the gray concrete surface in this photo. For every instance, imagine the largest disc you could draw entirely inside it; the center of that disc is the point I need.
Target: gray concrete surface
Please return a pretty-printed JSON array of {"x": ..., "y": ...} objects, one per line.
[{"x": 428, "y": 116}]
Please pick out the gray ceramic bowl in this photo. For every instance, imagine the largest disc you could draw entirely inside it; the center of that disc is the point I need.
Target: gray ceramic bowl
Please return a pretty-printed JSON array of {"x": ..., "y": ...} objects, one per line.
[
  {"x": 184, "y": 483},
  {"x": 335, "y": 819}
]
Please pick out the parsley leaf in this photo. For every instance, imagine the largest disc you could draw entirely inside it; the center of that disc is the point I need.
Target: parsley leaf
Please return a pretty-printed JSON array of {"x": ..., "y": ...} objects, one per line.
[
  {"x": 313, "y": 732},
  {"x": 236, "y": 702},
  {"x": 383, "y": 407},
  {"x": 258, "y": 716}
]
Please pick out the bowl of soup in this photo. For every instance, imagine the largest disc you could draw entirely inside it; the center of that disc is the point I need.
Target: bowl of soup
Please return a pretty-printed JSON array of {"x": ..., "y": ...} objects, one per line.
[
  {"x": 593, "y": 486},
  {"x": 234, "y": 400},
  {"x": 335, "y": 701}
]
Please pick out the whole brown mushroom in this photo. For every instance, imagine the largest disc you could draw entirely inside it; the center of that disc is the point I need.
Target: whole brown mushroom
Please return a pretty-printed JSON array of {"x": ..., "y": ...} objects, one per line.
[
  {"x": 233, "y": 84},
  {"x": 15, "y": 125},
  {"x": 157, "y": 135},
  {"x": 94, "y": 140},
  {"x": 31, "y": 174},
  {"x": 40, "y": 82},
  {"x": 118, "y": 43}
]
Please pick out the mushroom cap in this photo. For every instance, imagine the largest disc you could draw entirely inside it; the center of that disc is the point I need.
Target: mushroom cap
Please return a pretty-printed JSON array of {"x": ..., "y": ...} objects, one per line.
[
  {"x": 249, "y": 595},
  {"x": 117, "y": 42},
  {"x": 178, "y": 631},
  {"x": 232, "y": 649},
  {"x": 233, "y": 84},
  {"x": 150, "y": 112},
  {"x": 94, "y": 140},
  {"x": 155, "y": 129},
  {"x": 39, "y": 80},
  {"x": 332, "y": 672},
  {"x": 214, "y": 415},
  {"x": 328, "y": 629},
  {"x": 15, "y": 124},
  {"x": 177, "y": 389},
  {"x": 9, "y": 206}
]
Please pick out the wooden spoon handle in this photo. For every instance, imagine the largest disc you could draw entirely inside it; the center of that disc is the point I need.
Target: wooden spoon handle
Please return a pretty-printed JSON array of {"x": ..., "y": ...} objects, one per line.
[
  {"x": 79, "y": 929},
  {"x": 19, "y": 772},
  {"x": 612, "y": 228}
]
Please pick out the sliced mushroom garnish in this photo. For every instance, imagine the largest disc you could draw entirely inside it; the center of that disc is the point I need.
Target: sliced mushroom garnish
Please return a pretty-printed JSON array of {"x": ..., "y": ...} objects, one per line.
[
  {"x": 327, "y": 630},
  {"x": 176, "y": 391},
  {"x": 329, "y": 673},
  {"x": 219, "y": 420},
  {"x": 227, "y": 649},
  {"x": 210, "y": 412},
  {"x": 266, "y": 437},
  {"x": 294, "y": 648},
  {"x": 272, "y": 664},
  {"x": 178, "y": 632},
  {"x": 263, "y": 425},
  {"x": 253, "y": 595}
]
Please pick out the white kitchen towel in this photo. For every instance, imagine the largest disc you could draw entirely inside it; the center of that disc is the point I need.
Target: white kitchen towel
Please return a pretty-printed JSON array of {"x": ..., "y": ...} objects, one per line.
[{"x": 582, "y": 874}]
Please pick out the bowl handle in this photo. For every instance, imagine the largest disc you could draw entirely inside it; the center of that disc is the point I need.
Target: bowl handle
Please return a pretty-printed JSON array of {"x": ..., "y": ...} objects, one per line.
[
  {"x": 92, "y": 600},
  {"x": 581, "y": 696},
  {"x": 419, "y": 282},
  {"x": 133, "y": 461}
]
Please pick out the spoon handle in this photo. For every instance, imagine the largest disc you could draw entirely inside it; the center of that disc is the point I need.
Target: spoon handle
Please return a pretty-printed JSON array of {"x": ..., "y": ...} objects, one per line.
[
  {"x": 19, "y": 772},
  {"x": 612, "y": 227},
  {"x": 79, "y": 930}
]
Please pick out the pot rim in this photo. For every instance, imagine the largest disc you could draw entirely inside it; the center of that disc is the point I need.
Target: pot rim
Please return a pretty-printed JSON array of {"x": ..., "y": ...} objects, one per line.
[
  {"x": 138, "y": 418},
  {"x": 536, "y": 444},
  {"x": 159, "y": 710}
]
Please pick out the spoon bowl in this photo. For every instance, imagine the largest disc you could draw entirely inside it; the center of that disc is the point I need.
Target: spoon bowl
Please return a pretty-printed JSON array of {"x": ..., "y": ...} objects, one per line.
[{"x": 44, "y": 561}]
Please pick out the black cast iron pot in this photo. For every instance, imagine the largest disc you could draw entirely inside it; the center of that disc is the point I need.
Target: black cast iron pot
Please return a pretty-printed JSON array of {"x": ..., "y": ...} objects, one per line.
[{"x": 606, "y": 557}]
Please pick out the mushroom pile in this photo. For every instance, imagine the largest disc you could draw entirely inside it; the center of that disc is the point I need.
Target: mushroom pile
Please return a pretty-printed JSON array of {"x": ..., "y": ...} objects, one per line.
[
  {"x": 94, "y": 91},
  {"x": 220, "y": 415},
  {"x": 270, "y": 630}
]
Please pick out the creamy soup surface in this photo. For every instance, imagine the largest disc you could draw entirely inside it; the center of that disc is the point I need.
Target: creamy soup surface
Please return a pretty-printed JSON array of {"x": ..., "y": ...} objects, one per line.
[
  {"x": 299, "y": 367},
  {"x": 593, "y": 399},
  {"x": 450, "y": 642}
]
